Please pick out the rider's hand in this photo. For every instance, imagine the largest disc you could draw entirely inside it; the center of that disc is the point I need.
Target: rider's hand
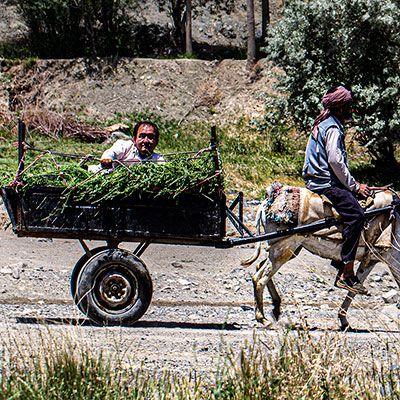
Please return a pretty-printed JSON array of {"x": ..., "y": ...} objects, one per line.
[
  {"x": 364, "y": 190},
  {"x": 106, "y": 163}
]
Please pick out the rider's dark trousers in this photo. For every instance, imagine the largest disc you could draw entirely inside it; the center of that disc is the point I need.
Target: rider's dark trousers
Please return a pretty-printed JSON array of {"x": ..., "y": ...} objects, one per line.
[{"x": 352, "y": 214}]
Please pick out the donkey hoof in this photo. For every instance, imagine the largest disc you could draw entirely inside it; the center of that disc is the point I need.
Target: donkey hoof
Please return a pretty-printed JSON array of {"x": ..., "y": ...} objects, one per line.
[
  {"x": 345, "y": 326},
  {"x": 265, "y": 322}
]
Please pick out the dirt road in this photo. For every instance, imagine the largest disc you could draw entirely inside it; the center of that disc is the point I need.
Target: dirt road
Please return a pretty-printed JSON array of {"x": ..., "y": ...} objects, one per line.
[{"x": 202, "y": 303}]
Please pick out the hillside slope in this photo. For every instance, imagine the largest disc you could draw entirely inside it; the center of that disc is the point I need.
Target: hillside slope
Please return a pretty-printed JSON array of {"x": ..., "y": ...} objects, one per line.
[{"x": 180, "y": 89}]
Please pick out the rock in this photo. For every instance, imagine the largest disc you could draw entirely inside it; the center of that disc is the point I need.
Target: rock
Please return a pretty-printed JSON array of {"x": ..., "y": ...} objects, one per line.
[
  {"x": 177, "y": 265},
  {"x": 236, "y": 271},
  {"x": 40, "y": 240},
  {"x": 184, "y": 282},
  {"x": 4, "y": 220},
  {"x": 391, "y": 296},
  {"x": 218, "y": 26},
  {"x": 6, "y": 271},
  {"x": 376, "y": 278},
  {"x": 391, "y": 310},
  {"x": 14, "y": 269}
]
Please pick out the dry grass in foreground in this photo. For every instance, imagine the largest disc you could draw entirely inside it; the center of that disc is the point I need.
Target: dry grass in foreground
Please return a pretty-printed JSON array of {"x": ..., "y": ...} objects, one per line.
[{"x": 301, "y": 366}]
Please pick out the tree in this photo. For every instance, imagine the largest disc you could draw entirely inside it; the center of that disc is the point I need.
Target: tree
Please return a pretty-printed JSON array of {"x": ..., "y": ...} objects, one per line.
[
  {"x": 188, "y": 28},
  {"x": 176, "y": 9},
  {"x": 355, "y": 42},
  {"x": 251, "y": 34},
  {"x": 265, "y": 19},
  {"x": 73, "y": 28},
  {"x": 181, "y": 12}
]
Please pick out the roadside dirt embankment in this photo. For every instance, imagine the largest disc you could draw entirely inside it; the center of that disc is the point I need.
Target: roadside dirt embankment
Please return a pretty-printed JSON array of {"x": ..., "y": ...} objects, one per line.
[{"x": 181, "y": 89}]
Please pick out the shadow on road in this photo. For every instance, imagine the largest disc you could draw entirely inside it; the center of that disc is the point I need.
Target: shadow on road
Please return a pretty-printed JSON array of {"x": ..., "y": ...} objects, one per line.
[
  {"x": 347, "y": 330},
  {"x": 139, "y": 324}
]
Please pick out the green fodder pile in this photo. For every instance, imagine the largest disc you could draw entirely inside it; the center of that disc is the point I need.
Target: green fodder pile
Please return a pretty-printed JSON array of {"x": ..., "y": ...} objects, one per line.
[{"x": 181, "y": 175}]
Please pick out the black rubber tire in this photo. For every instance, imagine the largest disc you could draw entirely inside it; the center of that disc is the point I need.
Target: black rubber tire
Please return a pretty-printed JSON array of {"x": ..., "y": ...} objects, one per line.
[
  {"x": 73, "y": 282},
  {"x": 114, "y": 288}
]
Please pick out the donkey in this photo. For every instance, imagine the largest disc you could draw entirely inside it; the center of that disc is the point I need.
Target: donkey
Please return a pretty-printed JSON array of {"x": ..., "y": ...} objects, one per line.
[{"x": 324, "y": 243}]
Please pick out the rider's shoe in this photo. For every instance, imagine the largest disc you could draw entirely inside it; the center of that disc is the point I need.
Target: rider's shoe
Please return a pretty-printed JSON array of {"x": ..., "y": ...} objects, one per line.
[{"x": 352, "y": 284}]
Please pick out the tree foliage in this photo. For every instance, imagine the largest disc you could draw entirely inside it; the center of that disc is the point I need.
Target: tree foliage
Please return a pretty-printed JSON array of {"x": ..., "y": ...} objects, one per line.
[
  {"x": 71, "y": 28},
  {"x": 355, "y": 42}
]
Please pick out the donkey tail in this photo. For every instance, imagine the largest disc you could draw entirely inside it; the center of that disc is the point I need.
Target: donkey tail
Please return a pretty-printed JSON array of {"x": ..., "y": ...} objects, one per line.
[{"x": 259, "y": 218}]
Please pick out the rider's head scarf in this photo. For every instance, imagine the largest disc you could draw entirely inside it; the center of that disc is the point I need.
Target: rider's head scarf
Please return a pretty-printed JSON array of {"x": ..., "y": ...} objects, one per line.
[{"x": 333, "y": 99}]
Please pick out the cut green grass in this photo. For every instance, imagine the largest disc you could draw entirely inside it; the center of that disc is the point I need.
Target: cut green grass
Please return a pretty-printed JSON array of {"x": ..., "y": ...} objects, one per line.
[{"x": 252, "y": 157}]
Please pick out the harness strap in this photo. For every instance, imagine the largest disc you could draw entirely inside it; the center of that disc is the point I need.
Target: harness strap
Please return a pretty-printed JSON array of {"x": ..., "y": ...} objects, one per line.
[{"x": 395, "y": 205}]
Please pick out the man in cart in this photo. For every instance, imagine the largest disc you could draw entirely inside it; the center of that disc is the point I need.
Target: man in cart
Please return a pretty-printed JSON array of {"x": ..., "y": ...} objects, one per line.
[
  {"x": 326, "y": 171},
  {"x": 139, "y": 149}
]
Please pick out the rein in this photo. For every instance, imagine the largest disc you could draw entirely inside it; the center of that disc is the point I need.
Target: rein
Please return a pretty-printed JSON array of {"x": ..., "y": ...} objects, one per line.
[{"x": 395, "y": 205}]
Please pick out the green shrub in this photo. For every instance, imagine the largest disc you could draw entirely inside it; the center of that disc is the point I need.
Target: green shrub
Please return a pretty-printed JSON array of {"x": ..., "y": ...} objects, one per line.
[
  {"x": 71, "y": 28},
  {"x": 355, "y": 42}
]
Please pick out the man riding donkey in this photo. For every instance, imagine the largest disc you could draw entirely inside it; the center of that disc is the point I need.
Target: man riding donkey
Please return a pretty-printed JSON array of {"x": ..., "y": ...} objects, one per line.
[{"x": 326, "y": 172}]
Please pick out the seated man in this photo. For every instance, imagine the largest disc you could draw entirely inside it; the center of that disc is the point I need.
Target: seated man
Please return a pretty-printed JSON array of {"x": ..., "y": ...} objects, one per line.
[
  {"x": 326, "y": 171},
  {"x": 140, "y": 148}
]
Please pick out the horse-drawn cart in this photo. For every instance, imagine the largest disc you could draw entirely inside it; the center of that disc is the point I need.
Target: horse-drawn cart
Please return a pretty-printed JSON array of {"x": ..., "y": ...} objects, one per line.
[{"x": 113, "y": 286}]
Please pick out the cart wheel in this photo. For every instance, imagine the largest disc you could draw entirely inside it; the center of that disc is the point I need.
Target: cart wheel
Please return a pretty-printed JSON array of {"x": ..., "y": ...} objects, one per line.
[
  {"x": 114, "y": 288},
  {"x": 77, "y": 269}
]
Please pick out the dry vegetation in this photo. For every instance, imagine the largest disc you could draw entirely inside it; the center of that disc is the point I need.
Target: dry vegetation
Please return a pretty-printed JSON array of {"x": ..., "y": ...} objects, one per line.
[{"x": 301, "y": 366}]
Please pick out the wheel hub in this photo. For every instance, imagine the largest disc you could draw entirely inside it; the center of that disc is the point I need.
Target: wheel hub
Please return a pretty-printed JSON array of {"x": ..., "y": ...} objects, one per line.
[{"x": 115, "y": 289}]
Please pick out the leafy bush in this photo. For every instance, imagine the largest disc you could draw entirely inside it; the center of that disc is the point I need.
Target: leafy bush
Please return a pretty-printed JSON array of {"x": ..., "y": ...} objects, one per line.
[
  {"x": 71, "y": 28},
  {"x": 355, "y": 42}
]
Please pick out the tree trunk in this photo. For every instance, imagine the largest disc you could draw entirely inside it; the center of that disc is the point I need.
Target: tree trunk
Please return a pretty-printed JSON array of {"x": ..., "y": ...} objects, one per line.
[
  {"x": 251, "y": 34},
  {"x": 265, "y": 19},
  {"x": 177, "y": 18},
  {"x": 384, "y": 157},
  {"x": 188, "y": 28}
]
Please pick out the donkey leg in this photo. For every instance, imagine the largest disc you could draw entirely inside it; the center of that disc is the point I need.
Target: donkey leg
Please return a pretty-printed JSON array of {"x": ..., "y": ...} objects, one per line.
[
  {"x": 276, "y": 299},
  {"x": 278, "y": 254},
  {"x": 288, "y": 254},
  {"x": 259, "y": 283},
  {"x": 259, "y": 280},
  {"x": 366, "y": 266}
]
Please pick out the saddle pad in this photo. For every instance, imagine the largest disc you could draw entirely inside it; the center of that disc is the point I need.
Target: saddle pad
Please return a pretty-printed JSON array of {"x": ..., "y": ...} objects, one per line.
[
  {"x": 330, "y": 209},
  {"x": 283, "y": 203},
  {"x": 294, "y": 206}
]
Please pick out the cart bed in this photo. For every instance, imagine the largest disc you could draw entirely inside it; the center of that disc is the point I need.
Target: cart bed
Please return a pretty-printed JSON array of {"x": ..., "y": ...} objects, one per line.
[{"x": 190, "y": 219}]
